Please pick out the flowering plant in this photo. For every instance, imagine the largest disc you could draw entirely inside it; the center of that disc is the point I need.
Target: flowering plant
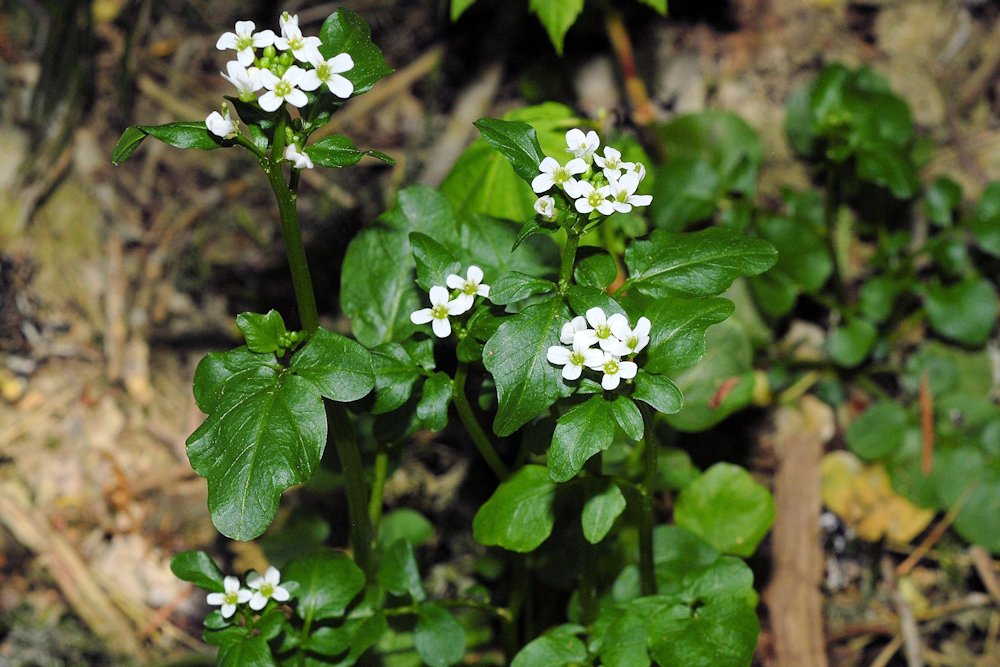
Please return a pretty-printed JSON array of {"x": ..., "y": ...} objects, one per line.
[{"x": 568, "y": 347}]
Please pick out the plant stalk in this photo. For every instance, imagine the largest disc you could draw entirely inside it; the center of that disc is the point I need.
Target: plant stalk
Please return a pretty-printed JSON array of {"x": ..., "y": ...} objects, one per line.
[
  {"x": 568, "y": 259},
  {"x": 472, "y": 425},
  {"x": 647, "y": 518}
]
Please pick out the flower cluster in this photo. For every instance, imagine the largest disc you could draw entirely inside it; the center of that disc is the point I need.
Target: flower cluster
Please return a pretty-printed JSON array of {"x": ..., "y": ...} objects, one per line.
[
  {"x": 261, "y": 589},
  {"x": 607, "y": 189},
  {"x": 615, "y": 341},
  {"x": 444, "y": 306},
  {"x": 285, "y": 68}
]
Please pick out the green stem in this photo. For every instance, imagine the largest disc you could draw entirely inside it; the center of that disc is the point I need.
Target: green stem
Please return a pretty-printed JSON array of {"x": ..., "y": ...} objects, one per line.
[
  {"x": 475, "y": 430},
  {"x": 467, "y": 603},
  {"x": 588, "y": 584},
  {"x": 647, "y": 519},
  {"x": 380, "y": 473},
  {"x": 568, "y": 258},
  {"x": 341, "y": 430}
]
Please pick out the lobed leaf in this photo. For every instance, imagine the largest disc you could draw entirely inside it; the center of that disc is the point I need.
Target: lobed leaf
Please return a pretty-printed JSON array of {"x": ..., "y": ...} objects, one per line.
[
  {"x": 340, "y": 368},
  {"x": 262, "y": 332}
]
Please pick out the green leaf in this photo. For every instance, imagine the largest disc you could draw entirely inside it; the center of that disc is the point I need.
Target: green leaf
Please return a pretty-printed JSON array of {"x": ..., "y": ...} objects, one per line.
[
  {"x": 595, "y": 268},
  {"x": 559, "y": 647},
  {"x": 262, "y": 332},
  {"x": 346, "y": 32},
  {"x": 677, "y": 330},
  {"x": 339, "y": 368},
  {"x": 727, "y": 508},
  {"x": 658, "y": 391},
  {"x": 182, "y": 134},
  {"x": 583, "y": 431},
  {"x": 404, "y": 524},
  {"x": 659, "y": 5},
  {"x": 949, "y": 370},
  {"x": 434, "y": 262},
  {"x": 265, "y": 432},
  {"x": 433, "y": 406},
  {"x": 628, "y": 416},
  {"x": 600, "y": 511},
  {"x": 518, "y": 516},
  {"x": 338, "y": 151},
  {"x": 515, "y": 356},
  {"x": 941, "y": 200},
  {"x": 516, "y": 286},
  {"x": 965, "y": 312},
  {"x": 695, "y": 191},
  {"x": 459, "y": 6},
  {"x": 878, "y": 431},
  {"x": 891, "y": 168},
  {"x": 198, "y": 568},
  {"x": 985, "y": 224},
  {"x": 328, "y": 582},
  {"x": 701, "y": 263},
  {"x": 878, "y": 297},
  {"x": 850, "y": 343},
  {"x": 438, "y": 637},
  {"x": 246, "y": 651},
  {"x": 516, "y": 141},
  {"x": 803, "y": 256},
  {"x": 582, "y": 299},
  {"x": 395, "y": 375},
  {"x": 717, "y": 632},
  {"x": 482, "y": 181},
  {"x": 558, "y": 16},
  {"x": 398, "y": 571}
]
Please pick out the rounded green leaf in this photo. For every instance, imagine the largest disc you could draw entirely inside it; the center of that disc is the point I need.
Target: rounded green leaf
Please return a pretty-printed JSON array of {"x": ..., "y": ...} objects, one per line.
[
  {"x": 595, "y": 268},
  {"x": 328, "y": 582},
  {"x": 850, "y": 343},
  {"x": 658, "y": 391},
  {"x": 516, "y": 141},
  {"x": 878, "y": 431},
  {"x": 262, "y": 332},
  {"x": 339, "y": 368},
  {"x": 965, "y": 312},
  {"x": 198, "y": 568},
  {"x": 398, "y": 571},
  {"x": 558, "y": 647},
  {"x": 434, "y": 262},
  {"x": 677, "y": 331},
  {"x": 438, "y": 637},
  {"x": 941, "y": 199},
  {"x": 628, "y": 416},
  {"x": 518, "y": 516},
  {"x": 600, "y": 511},
  {"x": 433, "y": 406},
  {"x": 718, "y": 632},
  {"x": 404, "y": 524},
  {"x": 245, "y": 651},
  {"x": 516, "y": 286},
  {"x": 583, "y": 431},
  {"x": 727, "y": 508},
  {"x": 346, "y": 32}
]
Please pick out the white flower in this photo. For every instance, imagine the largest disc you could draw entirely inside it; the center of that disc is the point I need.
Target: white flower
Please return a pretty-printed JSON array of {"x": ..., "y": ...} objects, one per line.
[
  {"x": 614, "y": 370},
  {"x": 234, "y": 594},
  {"x": 582, "y": 145},
  {"x": 574, "y": 360},
  {"x": 247, "y": 80},
  {"x": 638, "y": 169},
  {"x": 299, "y": 159},
  {"x": 602, "y": 329},
  {"x": 555, "y": 174},
  {"x": 612, "y": 163},
  {"x": 577, "y": 325},
  {"x": 305, "y": 49},
  {"x": 622, "y": 193},
  {"x": 546, "y": 207},
  {"x": 328, "y": 72},
  {"x": 283, "y": 89},
  {"x": 470, "y": 286},
  {"x": 592, "y": 198},
  {"x": 221, "y": 124},
  {"x": 632, "y": 340},
  {"x": 244, "y": 41},
  {"x": 439, "y": 311},
  {"x": 266, "y": 588}
]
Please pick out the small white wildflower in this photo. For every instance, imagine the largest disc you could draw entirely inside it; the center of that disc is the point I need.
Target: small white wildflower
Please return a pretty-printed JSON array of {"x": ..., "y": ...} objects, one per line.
[
  {"x": 471, "y": 286},
  {"x": 221, "y": 124},
  {"x": 612, "y": 164},
  {"x": 266, "y": 588},
  {"x": 582, "y": 145},
  {"x": 576, "y": 326},
  {"x": 638, "y": 169},
  {"x": 247, "y": 80},
  {"x": 299, "y": 159},
  {"x": 622, "y": 193},
  {"x": 555, "y": 174},
  {"x": 284, "y": 89},
  {"x": 574, "y": 360},
  {"x": 546, "y": 207},
  {"x": 632, "y": 340},
  {"x": 244, "y": 40},
  {"x": 615, "y": 370},
  {"x": 328, "y": 72},
  {"x": 305, "y": 49},
  {"x": 594, "y": 199},
  {"x": 234, "y": 595},
  {"x": 606, "y": 339},
  {"x": 441, "y": 308}
]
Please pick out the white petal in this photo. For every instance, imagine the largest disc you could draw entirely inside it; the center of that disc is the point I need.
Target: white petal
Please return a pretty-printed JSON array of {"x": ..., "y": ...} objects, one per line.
[
  {"x": 310, "y": 81},
  {"x": 226, "y": 41},
  {"x": 582, "y": 205},
  {"x": 640, "y": 200},
  {"x": 243, "y": 595},
  {"x": 254, "y": 580},
  {"x": 542, "y": 183},
  {"x": 618, "y": 348},
  {"x": 297, "y": 98},
  {"x": 593, "y": 358},
  {"x": 619, "y": 326},
  {"x": 571, "y": 371},
  {"x": 273, "y": 575},
  {"x": 267, "y": 78},
  {"x": 227, "y": 610},
  {"x": 441, "y": 327},
  {"x": 571, "y": 187},
  {"x": 576, "y": 166},
  {"x": 340, "y": 86},
  {"x": 258, "y": 602},
  {"x": 566, "y": 333},
  {"x": 610, "y": 344},
  {"x": 460, "y": 304},
  {"x": 280, "y": 594},
  {"x": 269, "y": 101},
  {"x": 574, "y": 138},
  {"x": 642, "y": 327},
  {"x": 245, "y": 56},
  {"x": 474, "y": 274},
  {"x": 627, "y": 369},
  {"x": 422, "y": 316},
  {"x": 596, "y": 317},
  {"x": 293, "y": 75},
  {"x": 484, "y": 290},
  {"x": 455, "y": 281},
  {"x": 584, "y": 339},
  {"x": 231, "y": 584},
  {"x": 610, "y": 382},
  {"x": 558, "y": 355},
  {"x": 215, "y": 598},
  {"x": 622, "y": 207},
  {"x": 548, "y": 165},
  {"x": 263, "y": 38},
  {"x": 340, "y": 63},
  {"x": 439, "y": 295}
]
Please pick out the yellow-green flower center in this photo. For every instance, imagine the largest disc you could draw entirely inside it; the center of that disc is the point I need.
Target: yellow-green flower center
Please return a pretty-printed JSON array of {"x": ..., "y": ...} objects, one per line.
[
  {"x": 576, "y": 358},
  {"x": 282, "y": 88},
  {"x": 611, "y": 367},
  {"x": 244, "y": 42},
  {"x": 232, "y": 597},
  {"x": 439, "y": 312},
  {"x": 470, "y": 288},
  {"x": 602, "y": 330}
]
